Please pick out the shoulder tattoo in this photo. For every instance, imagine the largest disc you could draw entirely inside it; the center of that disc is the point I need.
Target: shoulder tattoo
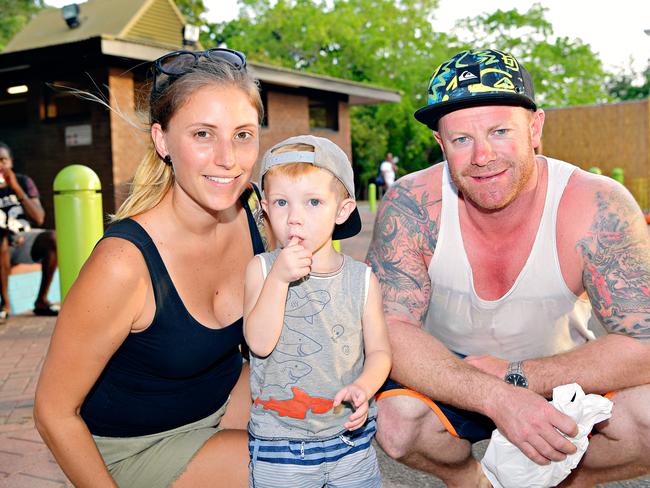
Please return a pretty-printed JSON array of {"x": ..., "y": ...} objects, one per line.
[
  {"x": 404, "y": 238},
  {"x": 616, "y": 273}
]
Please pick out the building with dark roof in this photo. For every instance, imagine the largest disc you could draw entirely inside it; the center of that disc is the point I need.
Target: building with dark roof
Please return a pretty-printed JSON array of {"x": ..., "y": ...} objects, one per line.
[{"x": 109, "y": 53}]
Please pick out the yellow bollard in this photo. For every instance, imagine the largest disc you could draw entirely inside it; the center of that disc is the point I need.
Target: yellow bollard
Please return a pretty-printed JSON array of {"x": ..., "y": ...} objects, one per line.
[
  {"x": 372, "y": 197},
  {"x": 78, "y": 218}
]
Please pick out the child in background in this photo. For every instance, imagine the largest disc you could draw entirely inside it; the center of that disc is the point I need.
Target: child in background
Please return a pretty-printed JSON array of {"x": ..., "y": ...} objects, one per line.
[{"x": 313, "y": 320}]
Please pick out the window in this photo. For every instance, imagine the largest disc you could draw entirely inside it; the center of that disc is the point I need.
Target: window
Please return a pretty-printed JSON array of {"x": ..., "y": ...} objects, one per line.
[
  {"x": 323, "y": 113},
  {"x": 60, "y": 101}
]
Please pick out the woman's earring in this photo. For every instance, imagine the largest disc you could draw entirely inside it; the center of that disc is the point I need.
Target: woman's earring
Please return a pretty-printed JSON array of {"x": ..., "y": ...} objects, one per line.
[{"x": 168, "y": 160}]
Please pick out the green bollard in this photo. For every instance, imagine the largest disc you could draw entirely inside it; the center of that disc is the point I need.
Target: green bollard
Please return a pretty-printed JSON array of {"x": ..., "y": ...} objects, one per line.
[
  {"x": 595, "y": 170},
  {"x": 618, "y": 175},
  {"x": 372, "y": 197},
  {"x": 78, "y": 218}
]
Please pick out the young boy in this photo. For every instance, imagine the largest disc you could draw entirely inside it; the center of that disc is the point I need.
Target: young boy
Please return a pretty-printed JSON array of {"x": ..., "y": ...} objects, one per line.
[{"x": 313, "y": 320}]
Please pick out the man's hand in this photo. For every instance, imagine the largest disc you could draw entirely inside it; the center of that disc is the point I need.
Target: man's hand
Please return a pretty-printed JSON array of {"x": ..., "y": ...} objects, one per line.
[
  {"x": 357, "y": 397},
  {"x": 293, "y": 262},
  {"x": 531, "y": 423},
  {"x": 12, "y": 181}
]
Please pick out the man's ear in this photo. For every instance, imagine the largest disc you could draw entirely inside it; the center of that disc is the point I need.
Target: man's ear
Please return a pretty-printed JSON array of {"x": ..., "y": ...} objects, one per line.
[
  {"x": 536, "y": 127},
  {"x": 346, "y": 207},
  {"x": 158, "y": 138},
  {"x": 436, "y": 135}
]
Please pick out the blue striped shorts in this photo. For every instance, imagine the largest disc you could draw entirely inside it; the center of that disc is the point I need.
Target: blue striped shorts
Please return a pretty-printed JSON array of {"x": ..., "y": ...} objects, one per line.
[{"x": 346, "y": 461}]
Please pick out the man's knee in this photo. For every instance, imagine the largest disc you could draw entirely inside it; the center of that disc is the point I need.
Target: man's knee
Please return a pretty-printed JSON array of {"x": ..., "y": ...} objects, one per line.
[
  {"x": 630, "y": 418},
  {"x": 400, "y": 420}
]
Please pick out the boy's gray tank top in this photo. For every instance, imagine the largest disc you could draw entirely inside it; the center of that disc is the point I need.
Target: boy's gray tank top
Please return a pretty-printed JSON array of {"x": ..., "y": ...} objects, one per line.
[{"x": 320, "y": 350}]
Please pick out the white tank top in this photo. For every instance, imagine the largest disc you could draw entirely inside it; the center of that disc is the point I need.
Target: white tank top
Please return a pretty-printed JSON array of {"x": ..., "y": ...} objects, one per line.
[{"x": 538, "y": 316}]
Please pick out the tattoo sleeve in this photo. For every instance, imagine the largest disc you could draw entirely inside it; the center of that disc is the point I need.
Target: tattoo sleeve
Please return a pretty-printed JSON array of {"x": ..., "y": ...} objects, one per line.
[
  {"x": 616, "y": 275},
  {"x": 404, "y": 238}
]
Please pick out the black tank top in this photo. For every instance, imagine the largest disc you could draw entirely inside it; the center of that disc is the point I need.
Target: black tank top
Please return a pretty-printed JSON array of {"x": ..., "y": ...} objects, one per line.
[{"x": 174, "y": 372}]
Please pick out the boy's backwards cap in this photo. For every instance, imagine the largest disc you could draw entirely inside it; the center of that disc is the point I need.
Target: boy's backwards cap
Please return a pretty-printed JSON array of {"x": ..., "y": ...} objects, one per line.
[{"x": 326, "y": 155}]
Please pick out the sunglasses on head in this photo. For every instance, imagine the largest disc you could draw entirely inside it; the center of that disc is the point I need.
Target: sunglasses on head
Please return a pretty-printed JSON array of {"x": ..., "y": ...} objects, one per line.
[{"x": 175, "y": 64}]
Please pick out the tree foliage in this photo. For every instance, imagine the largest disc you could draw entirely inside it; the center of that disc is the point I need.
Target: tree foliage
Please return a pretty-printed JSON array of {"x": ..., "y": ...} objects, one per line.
[
  {"x": 14, "y": 15},
  {"x": 382, "y": 42},
  {"x": 564, "y": 71},
  {"x": 630, "y": 85},
  {"x": 392, "y": 43}
]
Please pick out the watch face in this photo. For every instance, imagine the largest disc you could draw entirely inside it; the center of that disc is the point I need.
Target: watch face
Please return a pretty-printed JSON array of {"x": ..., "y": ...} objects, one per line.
[{"x": 517, "y": 380}]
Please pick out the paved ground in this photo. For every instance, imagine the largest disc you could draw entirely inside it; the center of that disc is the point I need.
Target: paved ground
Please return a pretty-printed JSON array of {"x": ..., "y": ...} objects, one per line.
[{"x": 26, "y": 462}]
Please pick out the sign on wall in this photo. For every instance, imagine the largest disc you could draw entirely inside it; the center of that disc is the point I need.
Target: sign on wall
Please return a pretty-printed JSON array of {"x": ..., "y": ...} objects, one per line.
[{"x": 78, "y": 135}]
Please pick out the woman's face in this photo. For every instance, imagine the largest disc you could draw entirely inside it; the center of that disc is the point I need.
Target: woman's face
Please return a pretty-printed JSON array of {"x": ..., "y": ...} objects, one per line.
[{"x": 213, "y": 141}]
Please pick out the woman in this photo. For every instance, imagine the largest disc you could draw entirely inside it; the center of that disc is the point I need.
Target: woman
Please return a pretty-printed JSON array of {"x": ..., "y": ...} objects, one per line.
[{"x": 145, "y": 353}]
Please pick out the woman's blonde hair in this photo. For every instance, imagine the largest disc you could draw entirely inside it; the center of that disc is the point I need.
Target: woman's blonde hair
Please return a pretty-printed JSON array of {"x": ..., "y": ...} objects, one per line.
[{"x": 154, "y": 177}]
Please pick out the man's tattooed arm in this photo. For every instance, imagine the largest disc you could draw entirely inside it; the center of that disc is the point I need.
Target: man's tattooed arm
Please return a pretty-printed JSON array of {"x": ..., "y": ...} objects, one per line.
[
  {"x": 616, "y": 274},
  {"x": 403, "y": 241}
]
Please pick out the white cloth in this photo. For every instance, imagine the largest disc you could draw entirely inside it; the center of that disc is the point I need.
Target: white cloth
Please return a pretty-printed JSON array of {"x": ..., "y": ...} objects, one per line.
[
  {"x": 507, "y": 467},
  {"x": 539, "y": 316},
  {"x": 388, "y": 172}
]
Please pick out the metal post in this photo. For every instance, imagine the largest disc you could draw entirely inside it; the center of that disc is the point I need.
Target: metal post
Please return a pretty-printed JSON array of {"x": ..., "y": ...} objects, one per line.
[
  {"x": 618, "y": 174},
  {"x": 78, "y": 218},
  {"x": 372, "y": 197}
]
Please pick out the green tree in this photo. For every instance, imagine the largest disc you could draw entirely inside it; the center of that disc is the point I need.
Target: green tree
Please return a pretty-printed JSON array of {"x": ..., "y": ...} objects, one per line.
[
  {"x": 383, "y": 42},
  {"x": 564, "y": 71},
  {"x": 15, "y": 14},
  {"x": 630, "y": 85},
  {"x": 393, "y": 44}
]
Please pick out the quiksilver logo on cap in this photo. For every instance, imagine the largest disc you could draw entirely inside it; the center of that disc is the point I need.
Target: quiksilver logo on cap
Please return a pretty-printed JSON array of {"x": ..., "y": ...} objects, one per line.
[{"x": 468, "y": 75}]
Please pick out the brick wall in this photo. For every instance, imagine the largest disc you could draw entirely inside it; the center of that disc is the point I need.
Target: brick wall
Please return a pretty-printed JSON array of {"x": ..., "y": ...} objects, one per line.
[
  {"x": 129, "y": 143},
  {"x": 288, "y": 115},
  {"x": 39, "y": 145}
]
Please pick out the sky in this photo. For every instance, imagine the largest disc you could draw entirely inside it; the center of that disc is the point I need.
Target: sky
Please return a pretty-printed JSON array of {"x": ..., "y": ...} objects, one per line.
[{"x": 616, "y": 34}]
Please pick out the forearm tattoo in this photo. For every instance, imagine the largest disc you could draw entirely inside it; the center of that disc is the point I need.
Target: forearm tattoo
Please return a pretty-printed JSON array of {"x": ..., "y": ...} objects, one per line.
[
  {"x": 404, "y": 237},
  {"x": 616, "y": 275}
]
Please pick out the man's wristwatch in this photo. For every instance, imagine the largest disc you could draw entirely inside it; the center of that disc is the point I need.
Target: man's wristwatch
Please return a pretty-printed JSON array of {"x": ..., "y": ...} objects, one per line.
[{"x": 515, "y": 375}]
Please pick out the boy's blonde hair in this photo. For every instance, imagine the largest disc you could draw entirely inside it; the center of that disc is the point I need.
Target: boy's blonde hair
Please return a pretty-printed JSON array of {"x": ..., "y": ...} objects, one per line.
[{"x": 296, "y": 170}]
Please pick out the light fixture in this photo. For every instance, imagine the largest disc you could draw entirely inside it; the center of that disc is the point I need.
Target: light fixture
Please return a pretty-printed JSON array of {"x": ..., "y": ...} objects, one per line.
[
  {"x": 71, "y": 15},
  {"x": 15, "y": 90},
  {"x": 190, "y": 34}
]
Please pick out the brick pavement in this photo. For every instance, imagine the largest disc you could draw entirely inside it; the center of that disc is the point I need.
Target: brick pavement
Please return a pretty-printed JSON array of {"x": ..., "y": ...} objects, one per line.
[
  {"x": 26, "y": 462},
  {"x": 24, "y": 459}
]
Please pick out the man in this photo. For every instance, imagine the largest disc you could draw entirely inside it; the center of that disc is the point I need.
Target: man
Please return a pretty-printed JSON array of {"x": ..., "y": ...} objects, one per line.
[
  {"x": 501, "y": 256},
  {"x": 20, "y": 205},
  {"x": 388, "y": 168}
]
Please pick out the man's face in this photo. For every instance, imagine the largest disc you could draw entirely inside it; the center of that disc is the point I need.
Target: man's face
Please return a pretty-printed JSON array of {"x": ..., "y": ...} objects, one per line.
[
  {"x": 490, "y": 152},
  {"x": 5, "y": 159}
]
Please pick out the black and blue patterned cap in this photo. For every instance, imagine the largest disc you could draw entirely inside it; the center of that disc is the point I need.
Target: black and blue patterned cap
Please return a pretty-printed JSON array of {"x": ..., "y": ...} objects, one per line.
[{"x": 474, "y": 78}]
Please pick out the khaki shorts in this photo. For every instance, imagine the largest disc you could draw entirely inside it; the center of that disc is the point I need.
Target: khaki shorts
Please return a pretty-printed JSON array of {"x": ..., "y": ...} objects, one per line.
[{"x": 156, "y": 460}]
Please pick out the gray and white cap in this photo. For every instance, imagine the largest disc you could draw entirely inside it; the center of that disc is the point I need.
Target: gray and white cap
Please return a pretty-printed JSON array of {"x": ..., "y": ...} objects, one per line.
[{"x": 326, "y": 155}]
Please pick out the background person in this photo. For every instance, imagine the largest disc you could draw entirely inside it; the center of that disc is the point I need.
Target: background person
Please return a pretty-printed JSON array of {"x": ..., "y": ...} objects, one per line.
[
  {"x": 502, "y": 256},
  {"x": 387, "y": 172},
  {"x": 20, "y": 206},
  {"x": 140, "y": 387}
]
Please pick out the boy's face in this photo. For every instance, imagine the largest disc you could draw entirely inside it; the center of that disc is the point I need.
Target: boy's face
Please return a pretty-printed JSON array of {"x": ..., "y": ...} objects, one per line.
[{"x": 306, "y": 207}]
